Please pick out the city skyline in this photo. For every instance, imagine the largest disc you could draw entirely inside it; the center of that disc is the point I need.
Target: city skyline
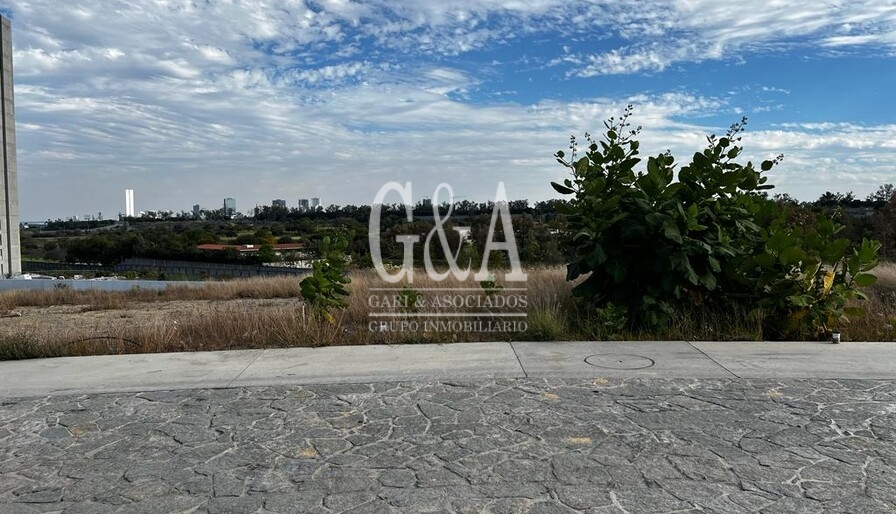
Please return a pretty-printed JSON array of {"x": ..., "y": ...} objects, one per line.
[{"x": 335, "y": 98}]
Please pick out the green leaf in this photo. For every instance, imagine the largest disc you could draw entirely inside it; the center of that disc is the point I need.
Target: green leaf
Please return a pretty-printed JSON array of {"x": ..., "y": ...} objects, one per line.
[
  {"x": 563, "y": 190},
  {"x": 597, "y": 257},
  {"x": 864, "y": 279},
  {"x": 629, "y": 164},
  {"x": 868, "y": 250},
  {"x": 581, "y": 167},
  {"x": 767, "y": 165},
  {"x": 670, "y": 230},
  {"x": 581, "y": 235},
  {"x": 731, "y": 179},
  {"x": 800, "y": 300},
  {"x": 656, "y": 218},
  {"x": 833, "y": 252},
  {"x": 745, "y": 223},
  {"x": 791, "y": 256},
  {"x": 709, "y": 280},
  {"x": 701, "y": 160},
  {"x": 652, "y": 166},
  {"x": 617, "y": 153},
  {"x": 779, "y": 241}
]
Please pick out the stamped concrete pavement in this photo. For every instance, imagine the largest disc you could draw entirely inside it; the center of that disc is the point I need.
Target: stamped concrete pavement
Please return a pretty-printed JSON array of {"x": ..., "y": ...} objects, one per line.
[{"x": 598, "y": 440}]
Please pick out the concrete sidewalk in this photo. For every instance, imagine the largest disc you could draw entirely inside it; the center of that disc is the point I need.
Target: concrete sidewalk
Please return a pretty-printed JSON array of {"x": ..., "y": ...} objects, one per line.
[{"x": 378, "y": 363}]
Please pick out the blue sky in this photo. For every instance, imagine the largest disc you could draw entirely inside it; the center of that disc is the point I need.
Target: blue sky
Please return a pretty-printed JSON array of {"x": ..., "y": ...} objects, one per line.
[{"x": 190, "y": 101}]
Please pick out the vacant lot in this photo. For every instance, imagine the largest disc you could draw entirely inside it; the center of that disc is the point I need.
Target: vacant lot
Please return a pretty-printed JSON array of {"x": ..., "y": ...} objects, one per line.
[{"x": 268, "y": 312}]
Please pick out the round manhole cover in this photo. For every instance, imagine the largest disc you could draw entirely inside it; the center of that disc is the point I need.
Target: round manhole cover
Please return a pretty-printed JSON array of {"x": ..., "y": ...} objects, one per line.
[{"x": 619, "y": 361}]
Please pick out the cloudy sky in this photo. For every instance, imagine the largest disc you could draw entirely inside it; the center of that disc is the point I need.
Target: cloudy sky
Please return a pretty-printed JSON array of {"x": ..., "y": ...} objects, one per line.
[{"x": 189, "y": 101}]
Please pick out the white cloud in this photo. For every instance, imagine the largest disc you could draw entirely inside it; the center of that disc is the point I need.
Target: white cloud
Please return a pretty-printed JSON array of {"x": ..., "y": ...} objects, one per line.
[{"x": 660, "y": 34}]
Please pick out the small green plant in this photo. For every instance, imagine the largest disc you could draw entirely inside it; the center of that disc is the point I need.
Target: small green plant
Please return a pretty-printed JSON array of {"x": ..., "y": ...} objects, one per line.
[
  {"x": 325, "y": 288},
  {"x": 490, "y": 286},
  {"x": 611, "y": 319},
  {"x": 411, "y": 299}
]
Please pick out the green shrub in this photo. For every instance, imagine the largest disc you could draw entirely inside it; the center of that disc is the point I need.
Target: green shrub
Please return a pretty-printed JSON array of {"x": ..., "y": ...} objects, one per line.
[
  {"x": 808, "y": 278},
  {"x": 647, "y": 243},
  {"x": 325, "y": 288}
]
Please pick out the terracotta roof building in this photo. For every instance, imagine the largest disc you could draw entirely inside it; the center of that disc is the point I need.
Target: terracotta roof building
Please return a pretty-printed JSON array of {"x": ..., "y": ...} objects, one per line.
[{"x": 280, "y": 247}]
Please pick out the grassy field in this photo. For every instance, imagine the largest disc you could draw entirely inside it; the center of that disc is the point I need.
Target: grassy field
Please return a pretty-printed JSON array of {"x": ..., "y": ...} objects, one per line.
[{"x": 268, "y": 312}]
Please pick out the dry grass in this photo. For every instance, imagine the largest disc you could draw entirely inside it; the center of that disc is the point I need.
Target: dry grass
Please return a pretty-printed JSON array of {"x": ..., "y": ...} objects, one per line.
[
  {"x": 268, "y": 312},
  {"x": 880, "y": 322}
]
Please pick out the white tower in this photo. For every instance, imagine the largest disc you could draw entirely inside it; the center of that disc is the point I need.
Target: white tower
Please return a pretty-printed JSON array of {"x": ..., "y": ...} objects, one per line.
[
  {"x": 10, "y": 252},
  {"x": 129, "y": 203}
]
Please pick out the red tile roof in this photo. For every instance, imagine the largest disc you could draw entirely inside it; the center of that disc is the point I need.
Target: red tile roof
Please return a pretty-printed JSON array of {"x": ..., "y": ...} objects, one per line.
[{"x": 280, "y": 247}]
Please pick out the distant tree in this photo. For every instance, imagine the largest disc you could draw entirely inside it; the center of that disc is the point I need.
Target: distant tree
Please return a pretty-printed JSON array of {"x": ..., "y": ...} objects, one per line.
[
  {"x": 884, "y": 194},
  {"x": 519, "y": 206},
  {"x": 785, "y": 199},
  {"x": 829, "y": 199},
  {"x": 266, "y": 254},
  {"x": 883, "y": 222}
]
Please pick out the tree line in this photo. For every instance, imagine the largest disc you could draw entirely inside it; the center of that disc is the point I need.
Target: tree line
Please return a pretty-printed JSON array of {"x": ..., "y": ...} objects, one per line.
[{"x": 538, "y": 231}]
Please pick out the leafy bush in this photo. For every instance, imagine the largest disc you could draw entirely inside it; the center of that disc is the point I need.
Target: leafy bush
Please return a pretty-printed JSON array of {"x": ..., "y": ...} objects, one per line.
[
  {"x": 647, "y": 242},
  {"x": 325, "y": 288},
  {"x": 807, "y": 278}
]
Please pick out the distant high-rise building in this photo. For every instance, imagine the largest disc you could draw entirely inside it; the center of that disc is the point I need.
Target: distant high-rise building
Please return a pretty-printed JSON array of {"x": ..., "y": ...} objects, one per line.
[
  {"x": 10, "y": 251},
  {"x": 278, "y": 203},
  {"x": 229, "y": 206},
  {"x": 129, "y": 203},
  {"x": 303, "y": 204},
  {"x": 197, "y": 210},
  {"x": 315, "y": 203}
]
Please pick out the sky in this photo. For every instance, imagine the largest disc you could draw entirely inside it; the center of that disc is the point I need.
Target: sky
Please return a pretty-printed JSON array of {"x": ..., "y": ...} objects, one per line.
[{"x": 191, "y": 101}]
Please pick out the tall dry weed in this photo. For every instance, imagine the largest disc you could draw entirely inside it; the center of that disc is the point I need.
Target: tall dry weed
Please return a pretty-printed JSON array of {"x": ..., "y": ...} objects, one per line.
[{"x": 268, "y": 312}]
